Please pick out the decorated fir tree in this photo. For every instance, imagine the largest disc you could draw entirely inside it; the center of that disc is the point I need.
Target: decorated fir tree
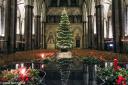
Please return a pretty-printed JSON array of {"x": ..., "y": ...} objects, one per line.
[{"x": 64, "y": 35}]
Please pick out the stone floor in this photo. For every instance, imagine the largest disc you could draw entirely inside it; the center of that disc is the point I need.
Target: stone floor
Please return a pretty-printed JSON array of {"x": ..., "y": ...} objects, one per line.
[
  {"x": 54, "y": 78},
  {"x": 78, "y": 75}
]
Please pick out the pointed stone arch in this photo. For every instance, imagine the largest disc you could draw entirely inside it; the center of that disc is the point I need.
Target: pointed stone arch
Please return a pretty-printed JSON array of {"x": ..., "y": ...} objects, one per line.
[{"x": 77, "y": 36}]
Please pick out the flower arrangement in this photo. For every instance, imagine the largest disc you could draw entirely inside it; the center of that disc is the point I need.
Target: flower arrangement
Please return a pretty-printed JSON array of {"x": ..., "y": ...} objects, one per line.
[
  {"x": 19, "y": 75},
  {"x": 114, "y": 75},
  {"x": 121, "y": 74}
]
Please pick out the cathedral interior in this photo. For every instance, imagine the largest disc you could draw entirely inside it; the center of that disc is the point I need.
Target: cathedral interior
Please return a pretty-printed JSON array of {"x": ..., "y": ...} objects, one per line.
[{"x": 31, "y": 25}]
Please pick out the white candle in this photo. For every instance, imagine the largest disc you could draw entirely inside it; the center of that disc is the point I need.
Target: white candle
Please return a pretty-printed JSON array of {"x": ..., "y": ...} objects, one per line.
[
  {"x": 111, "y": 63},
  {"x": 17, "y": 66},
  {"x": 22, "y": 64},
  {"x": 32, "y": 65},
  {"x": 106, "y": 64},
  {"x": 95, "y": 68}
]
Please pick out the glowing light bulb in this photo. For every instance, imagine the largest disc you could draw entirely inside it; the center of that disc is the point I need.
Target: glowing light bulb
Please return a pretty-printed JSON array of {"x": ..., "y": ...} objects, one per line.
[{"x": 111, "y": 45}]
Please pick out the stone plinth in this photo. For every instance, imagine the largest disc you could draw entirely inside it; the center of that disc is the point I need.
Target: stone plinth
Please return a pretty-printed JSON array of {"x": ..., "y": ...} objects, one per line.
[
  {"x": 50, "y": 46},
  {"x": 64, "y": 55}
]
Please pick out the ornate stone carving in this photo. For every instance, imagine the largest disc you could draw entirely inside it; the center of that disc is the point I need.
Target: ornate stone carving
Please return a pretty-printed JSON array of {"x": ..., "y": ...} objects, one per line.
[{"x": 70, "y": 11}]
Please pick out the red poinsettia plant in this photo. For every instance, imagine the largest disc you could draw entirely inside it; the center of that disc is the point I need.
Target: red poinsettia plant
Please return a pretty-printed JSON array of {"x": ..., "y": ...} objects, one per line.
[
  {"x": 120, "y": 73},
  {"x": 19, "y": 75}
]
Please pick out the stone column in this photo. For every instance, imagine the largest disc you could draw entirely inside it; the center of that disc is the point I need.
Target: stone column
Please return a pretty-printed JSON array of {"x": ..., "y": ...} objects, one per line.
[
  {"x": 85, "y": 42},
  {"x": 43, "y": 37},
  {"x": 41, "y": 34},
  {"x": 108, "y": 27},
  {"x": 83, "y": 36},
  {"x": 86, "y": 35},
  {"x": 127, "y": 19},
  {"x": 1, "y": 16},
  {"x": 118, "y": 21},
  {"x": 1, "y": 29},
  {"x": 37, "y": 24},
  {"x": 126, "y": 27},
  {"x": 28, "y": 26},
  {"x": 90, "y": 32},
  {"x": 92, "y": 75},
  {"x": 10, "y": 25},
  {"x": 20, "y": 47},
  {"x": 100, "y": 27},
  {"x": 86, "y": 74}
]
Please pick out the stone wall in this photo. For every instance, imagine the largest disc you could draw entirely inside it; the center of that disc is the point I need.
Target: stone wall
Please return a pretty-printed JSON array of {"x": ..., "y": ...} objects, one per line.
[{"x": 51, "y": 29}]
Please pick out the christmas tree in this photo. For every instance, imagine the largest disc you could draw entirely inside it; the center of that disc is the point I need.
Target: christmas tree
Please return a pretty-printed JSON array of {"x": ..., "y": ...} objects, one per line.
[{"x": 64, "y": 35}]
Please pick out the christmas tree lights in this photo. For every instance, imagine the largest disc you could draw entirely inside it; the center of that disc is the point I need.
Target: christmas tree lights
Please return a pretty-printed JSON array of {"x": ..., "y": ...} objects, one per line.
[{"x": 64, "y": 35}]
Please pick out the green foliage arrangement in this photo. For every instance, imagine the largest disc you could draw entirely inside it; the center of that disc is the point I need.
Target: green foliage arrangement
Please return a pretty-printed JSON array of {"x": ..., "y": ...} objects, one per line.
[
  {"x": 114, "y": 75},
  {"x": 90, "y": 60}
]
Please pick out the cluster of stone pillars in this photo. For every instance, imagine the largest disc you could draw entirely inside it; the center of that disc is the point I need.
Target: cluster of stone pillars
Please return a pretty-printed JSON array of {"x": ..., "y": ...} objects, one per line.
[
  {"x": 99, "y": 27},
  {"x": 118, "y": 24},
  {"x": 10, "y": 27},
  {"x": 89, "y": 74},
  {"x": 37, "y": 31},
  {"x": 97, "y": 41},
  {"x": 28, "y": 26}
]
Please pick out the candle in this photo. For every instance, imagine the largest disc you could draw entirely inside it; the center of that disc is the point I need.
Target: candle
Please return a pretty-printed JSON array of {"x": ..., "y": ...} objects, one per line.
[
  {"x": 42, "y": 56},
  {"x": 111, "y": 63},
  {"x": 17, "y": 66},
  {"x": 106, "y": 64},
  {"x": 22, "y": 64},
  {"x": 32, "y": 65},
  {"x": 95, "y": 68}
]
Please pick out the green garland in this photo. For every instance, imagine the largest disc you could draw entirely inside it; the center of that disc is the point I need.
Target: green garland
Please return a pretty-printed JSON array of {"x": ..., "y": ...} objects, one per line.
[
  {"x": 65, "y": 61},
  {"x": 86, "y": 60},
  {"x": 90, "y": 60}
]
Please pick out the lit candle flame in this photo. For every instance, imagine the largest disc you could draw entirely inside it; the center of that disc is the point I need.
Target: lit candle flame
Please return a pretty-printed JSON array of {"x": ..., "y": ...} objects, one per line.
[
  {"x": 42, "y": 66},
  {"x": 42, "y": 56},
  {"x": 23, "y": 71}
]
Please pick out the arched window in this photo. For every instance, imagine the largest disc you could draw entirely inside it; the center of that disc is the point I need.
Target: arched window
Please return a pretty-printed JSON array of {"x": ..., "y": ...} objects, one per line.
[
  {"x": 53, "y": 3},
  {"x": 2, "y": 20},
  {"x": 63, "y": 3},
  {"x": 73, "y": 3},
  {"x": 77, "y": 41}
]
